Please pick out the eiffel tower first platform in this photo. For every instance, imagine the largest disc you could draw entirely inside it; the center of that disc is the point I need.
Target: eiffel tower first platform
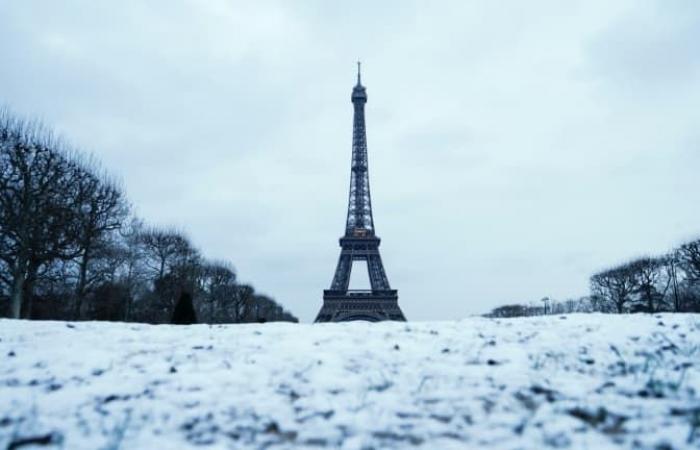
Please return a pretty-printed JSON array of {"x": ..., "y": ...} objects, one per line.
[{"x": 359, "y": 242}]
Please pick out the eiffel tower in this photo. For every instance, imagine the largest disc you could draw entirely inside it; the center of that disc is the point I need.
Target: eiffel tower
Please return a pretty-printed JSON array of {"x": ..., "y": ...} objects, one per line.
[{"x": 359, "y": 242}]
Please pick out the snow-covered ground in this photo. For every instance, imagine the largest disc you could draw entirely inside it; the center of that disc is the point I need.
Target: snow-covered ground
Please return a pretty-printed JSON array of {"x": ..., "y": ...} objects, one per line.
[{"x": 577, "y": 381}]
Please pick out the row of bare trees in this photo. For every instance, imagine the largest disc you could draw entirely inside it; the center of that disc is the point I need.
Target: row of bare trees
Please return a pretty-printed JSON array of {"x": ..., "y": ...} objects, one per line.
[
  {"x": 651, "y": 284},
  {"x": 544, "y": 307},
  {"x": 70, "y": 249},
  {"x": 668, "y": 283}
]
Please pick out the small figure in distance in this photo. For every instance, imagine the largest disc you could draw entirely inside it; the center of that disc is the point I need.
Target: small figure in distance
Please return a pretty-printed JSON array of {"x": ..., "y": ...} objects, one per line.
[{"x": 184, "y": 313}]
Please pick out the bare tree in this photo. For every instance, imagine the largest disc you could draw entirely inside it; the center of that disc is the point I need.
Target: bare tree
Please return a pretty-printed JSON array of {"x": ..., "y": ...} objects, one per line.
[
  {"x": 672, "y": 272},
  {"x": 174, "y": 266},
  {"x": 132, "y": 261},
  {"x": 101, "y": 208},
  {"x": 164, "y": 249},
  {"x": 36, "y": 214},
  {"x": 689, "y": 257},
  {"x": 615, "y": 286},
  {"x": 652, "y": 282},
  {"x": 218, "y": 285},
  {"x": 243, "y": 303}
]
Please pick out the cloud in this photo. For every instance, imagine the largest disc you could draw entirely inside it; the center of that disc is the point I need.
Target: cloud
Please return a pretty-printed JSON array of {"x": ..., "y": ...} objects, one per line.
[
  {"x": 651, "y": 47},
  {"x": 514, "y": 148}
]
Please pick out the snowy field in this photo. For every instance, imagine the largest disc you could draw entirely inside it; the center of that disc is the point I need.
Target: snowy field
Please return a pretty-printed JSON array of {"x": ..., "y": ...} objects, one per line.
[{"x": 577, "y": 381}]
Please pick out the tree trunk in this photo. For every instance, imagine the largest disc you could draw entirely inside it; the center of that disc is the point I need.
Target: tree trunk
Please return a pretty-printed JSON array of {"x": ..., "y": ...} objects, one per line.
[
  {"x": 676, "y": 299},
  {"x": 17, "y": 295},
  {"x": 161, "y": 272},
  {"x": 27, "y": 298},
  {"x": 80, "y": 288},
  {"x": 620, "y": 306},
  {"x": 27, "y": 290},
  {"x": 650, "y": 299},
  {"x": 127, "y": 308},
  {"x": 211, "y": 309}
]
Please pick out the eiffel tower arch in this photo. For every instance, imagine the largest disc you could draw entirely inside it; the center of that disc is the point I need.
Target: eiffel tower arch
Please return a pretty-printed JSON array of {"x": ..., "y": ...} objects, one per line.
[{"x": 359, "y": 243}]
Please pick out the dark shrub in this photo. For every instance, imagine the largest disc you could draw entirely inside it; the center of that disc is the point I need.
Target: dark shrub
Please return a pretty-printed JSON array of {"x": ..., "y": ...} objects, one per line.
[{"x": 184, "y": 311}]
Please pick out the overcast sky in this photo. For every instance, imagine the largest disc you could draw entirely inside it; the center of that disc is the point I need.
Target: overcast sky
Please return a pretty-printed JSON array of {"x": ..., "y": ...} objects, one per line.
[{"x": 515, "y": 148}]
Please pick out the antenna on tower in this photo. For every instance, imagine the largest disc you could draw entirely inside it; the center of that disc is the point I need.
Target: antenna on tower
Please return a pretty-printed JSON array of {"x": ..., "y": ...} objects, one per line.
[{"x": 358, "y": 73}]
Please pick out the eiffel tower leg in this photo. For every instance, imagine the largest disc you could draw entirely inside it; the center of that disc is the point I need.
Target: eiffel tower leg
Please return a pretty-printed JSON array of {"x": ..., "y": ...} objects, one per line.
[
  {"x": 341, "y": 279},
  {"x": 377, "y": 276}
]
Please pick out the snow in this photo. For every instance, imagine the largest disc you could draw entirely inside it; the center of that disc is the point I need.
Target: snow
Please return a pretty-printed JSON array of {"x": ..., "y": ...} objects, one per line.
[{"x": 576, "y": 381}]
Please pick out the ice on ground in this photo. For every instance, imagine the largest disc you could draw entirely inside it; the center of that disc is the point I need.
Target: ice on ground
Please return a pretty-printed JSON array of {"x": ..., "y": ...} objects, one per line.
[{"x": 576, "y": 381}]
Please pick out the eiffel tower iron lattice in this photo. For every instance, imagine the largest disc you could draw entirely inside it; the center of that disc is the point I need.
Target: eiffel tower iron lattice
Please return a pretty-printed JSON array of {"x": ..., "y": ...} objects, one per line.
[{"x": 360, "y": 242}]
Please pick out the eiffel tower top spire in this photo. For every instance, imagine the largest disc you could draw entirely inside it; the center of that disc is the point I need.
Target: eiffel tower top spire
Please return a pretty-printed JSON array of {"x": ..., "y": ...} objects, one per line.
[{"x": 359, "y": 221}]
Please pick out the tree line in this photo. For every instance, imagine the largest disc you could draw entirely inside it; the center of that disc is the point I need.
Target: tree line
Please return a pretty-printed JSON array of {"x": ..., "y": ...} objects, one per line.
[
  {"x": 71, "y": 249},
  {"x": 666, "y": 283}
]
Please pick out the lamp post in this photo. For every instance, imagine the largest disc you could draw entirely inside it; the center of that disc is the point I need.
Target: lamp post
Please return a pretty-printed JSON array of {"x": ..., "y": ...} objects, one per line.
[{"x": 546, "y": 305}]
